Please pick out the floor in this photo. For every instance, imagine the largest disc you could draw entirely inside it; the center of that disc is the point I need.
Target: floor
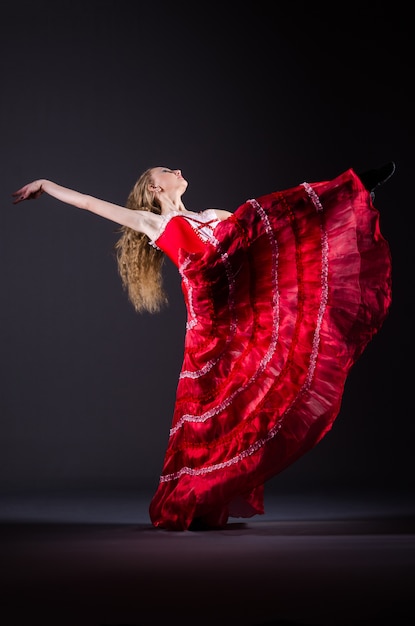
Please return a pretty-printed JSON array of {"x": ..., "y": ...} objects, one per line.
[{"x": 95, "y": 560}]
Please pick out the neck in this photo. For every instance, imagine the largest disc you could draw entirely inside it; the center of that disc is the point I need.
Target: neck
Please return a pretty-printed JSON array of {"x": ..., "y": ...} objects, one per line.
[{"x": 172, "y": 205}]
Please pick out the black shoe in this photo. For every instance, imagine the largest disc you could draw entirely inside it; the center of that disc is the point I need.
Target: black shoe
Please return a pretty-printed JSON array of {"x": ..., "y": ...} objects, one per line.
[{"x": 373, "y": 178}]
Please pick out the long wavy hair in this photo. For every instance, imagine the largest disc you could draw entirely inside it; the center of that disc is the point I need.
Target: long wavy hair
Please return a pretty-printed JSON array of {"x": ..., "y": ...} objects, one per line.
[{"x": 140, "y": 264}]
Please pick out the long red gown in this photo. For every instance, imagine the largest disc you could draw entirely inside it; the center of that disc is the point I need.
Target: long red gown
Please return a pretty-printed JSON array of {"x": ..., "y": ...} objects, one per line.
[{"x": 282, "y": 298}]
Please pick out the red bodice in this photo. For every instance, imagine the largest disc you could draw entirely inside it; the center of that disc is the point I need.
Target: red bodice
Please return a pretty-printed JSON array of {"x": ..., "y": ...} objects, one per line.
[{"x": 182, "y": 231}]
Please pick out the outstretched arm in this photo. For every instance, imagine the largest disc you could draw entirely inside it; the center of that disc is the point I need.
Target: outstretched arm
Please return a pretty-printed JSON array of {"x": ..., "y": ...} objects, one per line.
[{"x": 141, "y": 221}]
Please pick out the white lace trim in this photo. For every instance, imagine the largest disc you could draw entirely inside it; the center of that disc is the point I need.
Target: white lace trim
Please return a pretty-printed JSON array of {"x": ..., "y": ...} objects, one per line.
[{"x": 207, "y": 217}]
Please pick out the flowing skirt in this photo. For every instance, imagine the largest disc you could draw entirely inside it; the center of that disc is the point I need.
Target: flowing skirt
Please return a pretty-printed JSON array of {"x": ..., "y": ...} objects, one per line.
[{"x": 279, "y": 310}]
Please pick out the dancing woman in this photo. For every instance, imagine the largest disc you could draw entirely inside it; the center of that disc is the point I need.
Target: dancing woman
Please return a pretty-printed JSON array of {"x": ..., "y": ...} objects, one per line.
[{"x": 282, "y": 297}]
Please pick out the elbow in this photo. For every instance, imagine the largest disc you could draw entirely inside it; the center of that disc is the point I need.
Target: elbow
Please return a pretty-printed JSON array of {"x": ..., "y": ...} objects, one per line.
[{"x": 86, "y": 203}]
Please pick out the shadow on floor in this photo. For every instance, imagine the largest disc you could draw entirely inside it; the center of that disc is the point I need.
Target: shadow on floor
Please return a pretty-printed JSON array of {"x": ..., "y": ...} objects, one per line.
[{"x": 82, "y": 561}]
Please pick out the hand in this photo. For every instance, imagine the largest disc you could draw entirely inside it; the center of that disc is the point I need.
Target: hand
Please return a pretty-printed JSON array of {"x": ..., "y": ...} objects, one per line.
[{"x": 28, "y": 192}]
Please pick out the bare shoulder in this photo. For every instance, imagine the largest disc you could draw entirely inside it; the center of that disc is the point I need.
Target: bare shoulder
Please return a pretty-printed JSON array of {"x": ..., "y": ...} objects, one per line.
[
  {"x": 222, "y": 214},
  {"x": 148, "y": 223}
]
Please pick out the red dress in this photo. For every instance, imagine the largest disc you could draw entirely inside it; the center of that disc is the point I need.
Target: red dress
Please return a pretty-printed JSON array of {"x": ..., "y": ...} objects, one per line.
[{"x": 282, "y": 298}]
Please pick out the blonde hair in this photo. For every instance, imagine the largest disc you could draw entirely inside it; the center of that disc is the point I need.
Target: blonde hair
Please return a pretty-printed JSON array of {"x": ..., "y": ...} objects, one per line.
[{"x": 140, "y": 264}]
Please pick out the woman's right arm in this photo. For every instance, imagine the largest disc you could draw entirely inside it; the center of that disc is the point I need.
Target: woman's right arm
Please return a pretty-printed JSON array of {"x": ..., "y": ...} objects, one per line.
[{"x": 141, "y": 221}]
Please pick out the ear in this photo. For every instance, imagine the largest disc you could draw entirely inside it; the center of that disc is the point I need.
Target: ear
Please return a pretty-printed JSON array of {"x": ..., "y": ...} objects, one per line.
[{"x": 154, "y": 188}]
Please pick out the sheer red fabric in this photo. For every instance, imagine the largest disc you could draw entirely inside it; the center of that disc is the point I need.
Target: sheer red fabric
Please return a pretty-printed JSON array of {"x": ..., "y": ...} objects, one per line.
[{"x": 281, "y": 301}]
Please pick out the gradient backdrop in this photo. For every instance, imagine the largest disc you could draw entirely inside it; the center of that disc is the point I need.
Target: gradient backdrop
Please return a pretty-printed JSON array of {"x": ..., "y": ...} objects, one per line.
[{"x": 245, "y": 99}]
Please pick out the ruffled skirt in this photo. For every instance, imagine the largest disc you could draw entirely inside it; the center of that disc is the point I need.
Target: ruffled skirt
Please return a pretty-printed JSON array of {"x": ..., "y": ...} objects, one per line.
[{"x": 278, "y": 312}]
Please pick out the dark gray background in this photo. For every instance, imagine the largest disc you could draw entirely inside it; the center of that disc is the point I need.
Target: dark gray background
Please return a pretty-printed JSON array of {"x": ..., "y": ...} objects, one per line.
[{"x": 245, "y": 99}]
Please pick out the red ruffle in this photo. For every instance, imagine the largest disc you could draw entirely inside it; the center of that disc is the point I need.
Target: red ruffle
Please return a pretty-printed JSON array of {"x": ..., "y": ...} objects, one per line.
[{"x": 278, "y": 312}]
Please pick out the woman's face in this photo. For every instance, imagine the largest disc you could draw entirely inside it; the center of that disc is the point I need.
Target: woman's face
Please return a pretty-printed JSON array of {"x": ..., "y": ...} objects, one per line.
[{"x": 168, "y": 180}]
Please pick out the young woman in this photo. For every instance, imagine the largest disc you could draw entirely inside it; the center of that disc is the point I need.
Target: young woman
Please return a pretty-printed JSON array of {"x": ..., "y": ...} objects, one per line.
[{"x": 282, "y": 297}]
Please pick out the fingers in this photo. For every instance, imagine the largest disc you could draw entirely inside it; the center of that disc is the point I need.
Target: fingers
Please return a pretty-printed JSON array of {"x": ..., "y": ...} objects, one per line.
[
  {"x": 19, "y": 195},
  {"x": 28, "y": 192}
]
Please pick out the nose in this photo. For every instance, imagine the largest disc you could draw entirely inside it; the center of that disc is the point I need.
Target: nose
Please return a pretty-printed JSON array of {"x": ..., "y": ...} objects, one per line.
[{"x": 178, "y": 172}]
